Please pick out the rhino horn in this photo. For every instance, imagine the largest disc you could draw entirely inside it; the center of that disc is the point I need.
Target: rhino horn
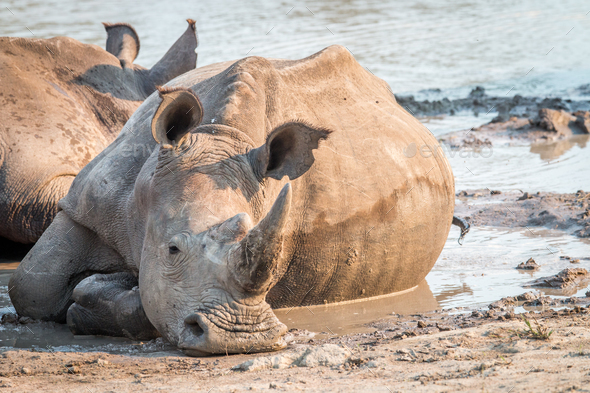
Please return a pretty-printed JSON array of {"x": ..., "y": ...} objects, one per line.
[
  {"x": 122, "y": 42},
  {"x": 261, "y": 248},
  {"x": 180, "y": 58}
]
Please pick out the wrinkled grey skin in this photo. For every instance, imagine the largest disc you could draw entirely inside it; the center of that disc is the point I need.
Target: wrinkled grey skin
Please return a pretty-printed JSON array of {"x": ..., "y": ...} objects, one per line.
[
  {"x": 62, "y": 102},
  {"x": 283, "y": 184}
]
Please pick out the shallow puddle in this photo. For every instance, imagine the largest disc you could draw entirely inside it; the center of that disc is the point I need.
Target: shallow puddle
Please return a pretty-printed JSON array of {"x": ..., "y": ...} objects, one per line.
[
  {"x": 352, "y": 317},
  {"x": 483, "y": 269}
]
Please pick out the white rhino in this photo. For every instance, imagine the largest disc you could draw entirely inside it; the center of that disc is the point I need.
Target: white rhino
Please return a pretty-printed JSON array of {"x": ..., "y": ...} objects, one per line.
[
  {"x": 62, "y": 103},
  {"x": 238, "y": 188}
]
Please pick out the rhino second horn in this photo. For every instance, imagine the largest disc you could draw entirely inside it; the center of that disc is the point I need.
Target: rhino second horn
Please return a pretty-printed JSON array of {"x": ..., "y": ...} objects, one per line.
[{"x": 261, "y": 248}]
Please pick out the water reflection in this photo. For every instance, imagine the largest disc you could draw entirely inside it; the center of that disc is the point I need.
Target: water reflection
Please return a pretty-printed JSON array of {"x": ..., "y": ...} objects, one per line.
[
  {"x": 555, "y": 149},
  {"x": 448, "y": 293},
  {"x": 352, "y": 317}
]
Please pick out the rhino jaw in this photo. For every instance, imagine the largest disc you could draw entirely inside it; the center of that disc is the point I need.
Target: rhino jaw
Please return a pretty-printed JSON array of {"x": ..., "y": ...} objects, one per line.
[{"x": 205, "y": 333}]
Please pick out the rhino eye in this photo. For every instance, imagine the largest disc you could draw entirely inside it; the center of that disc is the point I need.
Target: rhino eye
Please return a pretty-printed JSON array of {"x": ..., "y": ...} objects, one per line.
[{"x": 173, "y": 249}]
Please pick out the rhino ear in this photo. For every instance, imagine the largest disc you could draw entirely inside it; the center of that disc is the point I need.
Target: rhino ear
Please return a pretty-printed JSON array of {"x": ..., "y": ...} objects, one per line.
[
  {"x": 287, "y": 151},
  {"x": 180, "y": 58},
  {"x": 122, "y": 41},
  {"x": 179, "y": 112}
]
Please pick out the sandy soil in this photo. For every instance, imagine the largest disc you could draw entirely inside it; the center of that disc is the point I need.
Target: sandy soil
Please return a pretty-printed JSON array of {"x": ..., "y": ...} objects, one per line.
[{"x": 488, "y": 351}]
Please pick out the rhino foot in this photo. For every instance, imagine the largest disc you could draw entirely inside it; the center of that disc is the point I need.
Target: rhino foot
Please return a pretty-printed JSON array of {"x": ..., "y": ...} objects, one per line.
[{"x": 109, "y": 305}]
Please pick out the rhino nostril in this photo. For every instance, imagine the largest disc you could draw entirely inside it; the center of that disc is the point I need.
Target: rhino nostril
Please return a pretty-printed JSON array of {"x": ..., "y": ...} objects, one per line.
[
  {"x": 193, "y": 324},
  {"x": 196, "y": 330}
]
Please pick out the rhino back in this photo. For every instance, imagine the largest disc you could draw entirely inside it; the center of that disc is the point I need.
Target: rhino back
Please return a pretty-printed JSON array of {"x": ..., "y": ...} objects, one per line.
[{"x": 57, "y": 113}]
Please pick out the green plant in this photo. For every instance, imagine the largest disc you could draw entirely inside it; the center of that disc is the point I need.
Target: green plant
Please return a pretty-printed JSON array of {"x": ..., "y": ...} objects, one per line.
[{"x": 538, "y": 332}]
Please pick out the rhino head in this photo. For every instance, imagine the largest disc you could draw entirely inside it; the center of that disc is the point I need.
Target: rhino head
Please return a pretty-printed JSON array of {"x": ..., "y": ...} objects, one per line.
[{"x": 206, "y": 267}]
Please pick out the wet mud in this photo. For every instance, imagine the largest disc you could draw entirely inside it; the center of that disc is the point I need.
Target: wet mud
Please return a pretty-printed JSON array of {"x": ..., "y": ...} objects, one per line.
[
  {"x": 493, "y": 350},
  {"x": 479, "y": 102},
  {"x": 567, "y": 212}
]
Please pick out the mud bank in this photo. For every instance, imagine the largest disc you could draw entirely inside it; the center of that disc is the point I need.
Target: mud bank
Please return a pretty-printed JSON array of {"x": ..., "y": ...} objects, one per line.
[
  {"x": 567, "y": 212},
  {"x": 490, "y": 350},
  {"x": 545, "y": 127},
  {"x": 479, "y": 102}
]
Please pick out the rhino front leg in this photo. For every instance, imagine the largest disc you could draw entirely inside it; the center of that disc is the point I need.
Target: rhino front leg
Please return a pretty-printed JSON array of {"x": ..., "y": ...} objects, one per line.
[
  {"x": 109, "y": 305},
  {"x": 66, "y": 253}
]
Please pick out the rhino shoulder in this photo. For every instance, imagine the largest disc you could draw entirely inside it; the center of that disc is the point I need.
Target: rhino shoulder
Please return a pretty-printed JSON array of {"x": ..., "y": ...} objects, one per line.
[{"x": 105, "y": 183}]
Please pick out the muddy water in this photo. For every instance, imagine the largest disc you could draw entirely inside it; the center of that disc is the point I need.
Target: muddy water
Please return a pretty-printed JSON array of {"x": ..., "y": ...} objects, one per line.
[
  {"x": 528, "y": 47},
  {"x": 413, "y": 46}
]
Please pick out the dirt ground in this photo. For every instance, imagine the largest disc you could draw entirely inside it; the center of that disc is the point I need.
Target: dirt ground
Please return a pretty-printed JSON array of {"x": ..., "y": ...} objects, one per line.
[{"x": 435, "y": 352}]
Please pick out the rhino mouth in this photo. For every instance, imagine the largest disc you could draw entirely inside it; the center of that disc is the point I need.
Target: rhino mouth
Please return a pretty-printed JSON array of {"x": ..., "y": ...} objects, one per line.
[{"x": 208, "y": 332}]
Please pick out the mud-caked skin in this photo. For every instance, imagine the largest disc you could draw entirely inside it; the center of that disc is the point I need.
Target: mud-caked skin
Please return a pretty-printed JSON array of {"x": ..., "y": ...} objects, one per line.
[
  {"x": 62, "y": 102},
  {"x": 284, "y": 183}
]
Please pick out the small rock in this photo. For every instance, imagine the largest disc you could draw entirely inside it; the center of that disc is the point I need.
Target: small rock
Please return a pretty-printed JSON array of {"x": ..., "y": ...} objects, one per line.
[
  {"x": 558, "y": 121},
  {"x": 564, "y": 279},
  {"x": 525, "y": 196},
  {"x": 25, "y": 320},
  {"x": 421, "y": 324},
  {"x": 73, "y": 369},
  {"x": 102, "y": 362},
  {"x": 510, "y": 315},
  {"x": 541, "y": 301},
  {"x": 356, "y": 360},
  {"x": 443, "y": 328},
  {"x": 503, "y": 303},
  {"x": 495, "y": 192},
  {"x": 9, "y": 318},
  {"x": 583, "y": 120},
  {"x": 528, "y": 296},
  {"x": 574, "y": 261},
  {"x": 528, "y": 265},
  {"x": 570, "y": 300},
  {"x": 478, "y": 92},
  {"x": 26, "y": 371},
  {"x": 322, "y": 355}
]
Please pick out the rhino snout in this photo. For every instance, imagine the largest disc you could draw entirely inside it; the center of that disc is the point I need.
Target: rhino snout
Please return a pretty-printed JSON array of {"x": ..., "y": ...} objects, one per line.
[{"x": 204, "y": 334}]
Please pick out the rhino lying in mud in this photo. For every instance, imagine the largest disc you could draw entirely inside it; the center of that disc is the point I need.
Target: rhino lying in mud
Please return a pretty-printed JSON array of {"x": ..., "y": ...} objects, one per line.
[
  {"x": 62, "y": 103},
  {"x": 252, "y": 185}
]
